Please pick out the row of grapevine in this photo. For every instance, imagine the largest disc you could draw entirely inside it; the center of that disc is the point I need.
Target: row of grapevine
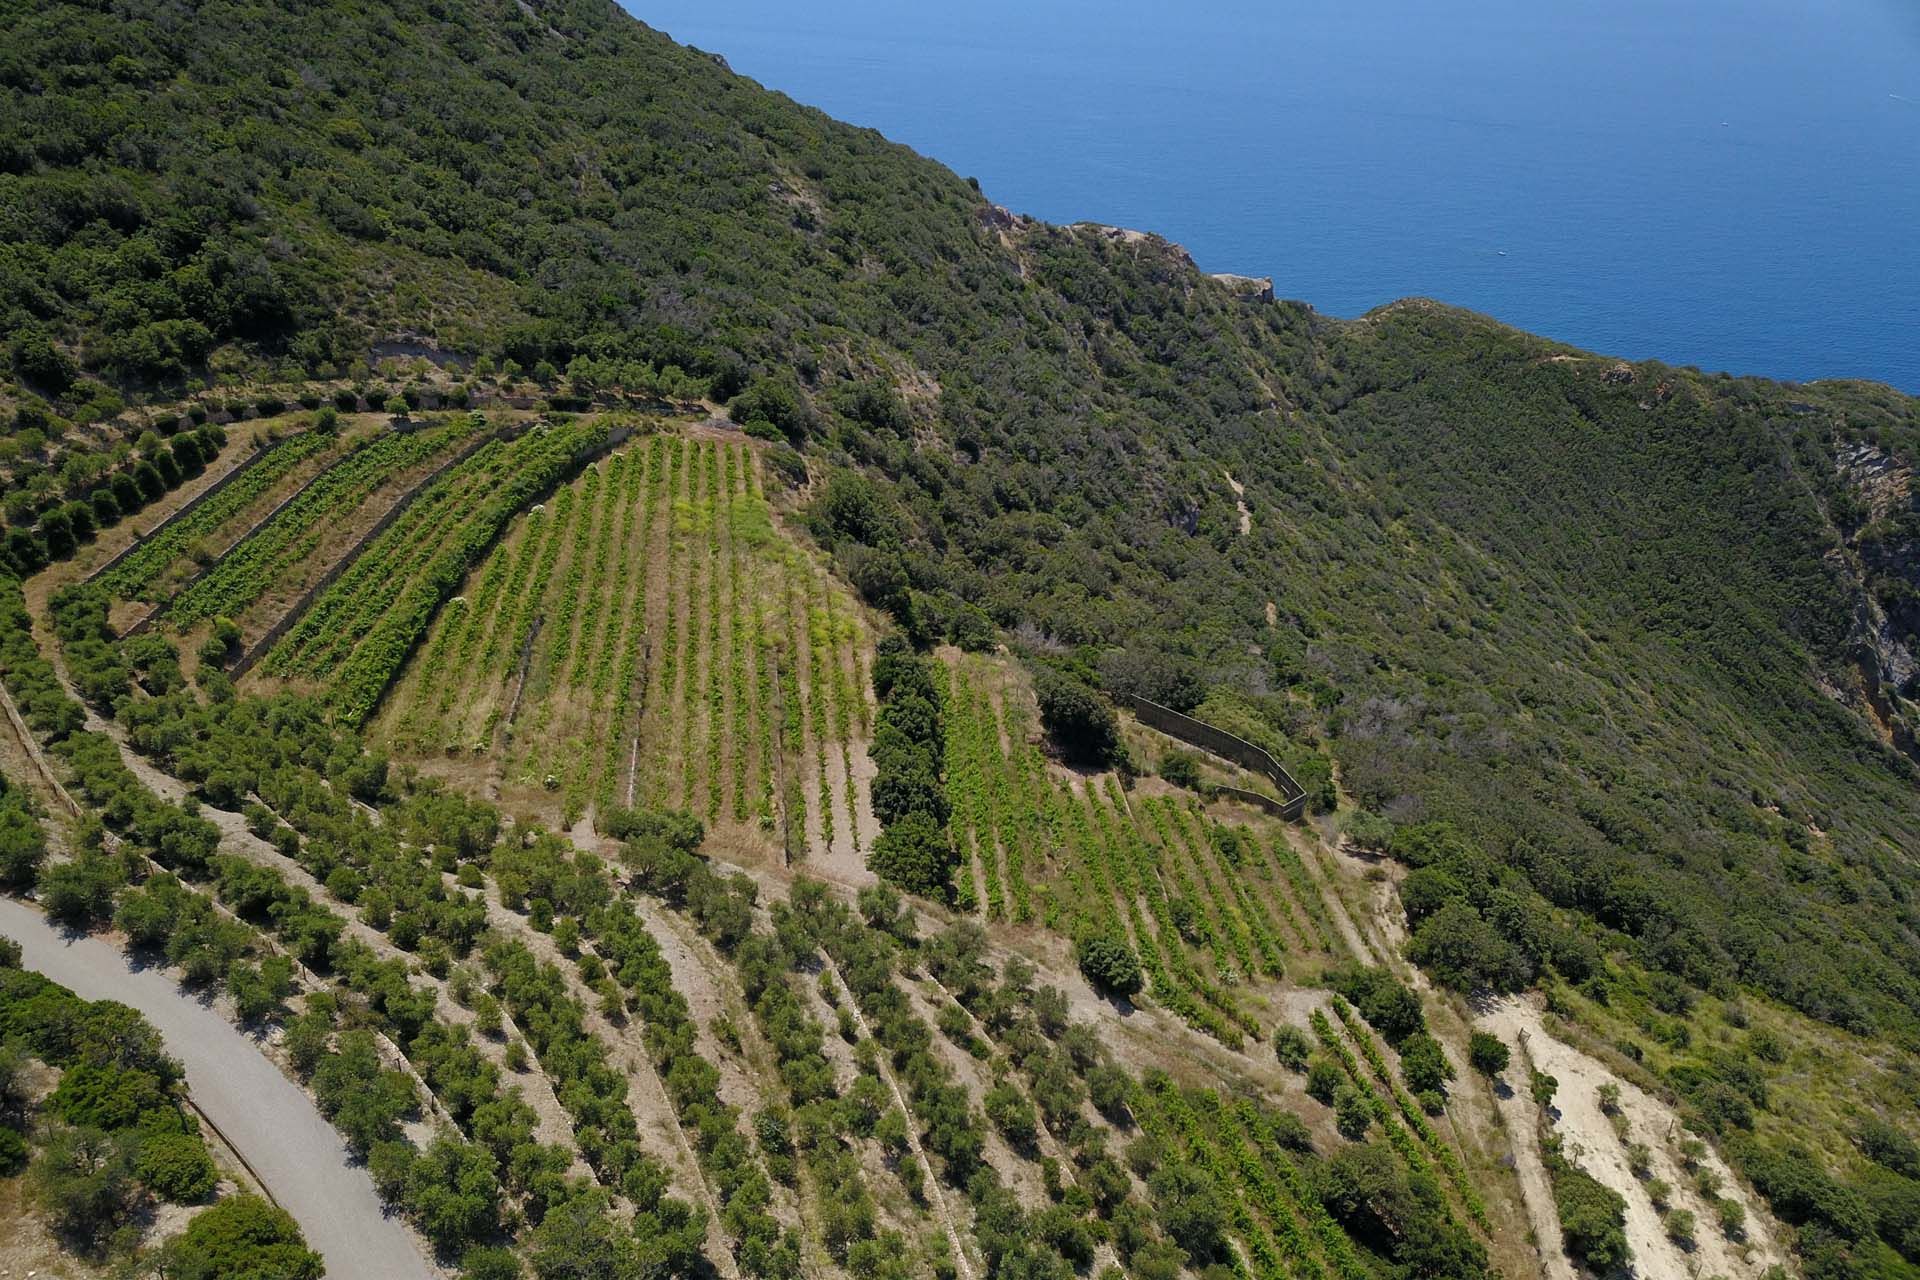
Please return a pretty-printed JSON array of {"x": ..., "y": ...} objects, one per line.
[
  {"x": 364, "y": 626},
  {"x": 1230, "y": 863},
  {"x": 1306, "y": 894},
  {"x": 1280, "y": 1221},
  {"x": 968, "y": 769},
  {"x": 1002, "y": 797},
  {"x": 1418, "y": 1145},
  {"x": 141, "y": 571},
  {"x": 270, "y": 557},
  {"x": 658, "y": 642},
  {"x": 1136, "y": 870}
]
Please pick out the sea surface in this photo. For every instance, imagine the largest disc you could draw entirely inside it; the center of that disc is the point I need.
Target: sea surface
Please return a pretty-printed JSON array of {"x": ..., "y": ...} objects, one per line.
[{"x": 1729, "y": 185}]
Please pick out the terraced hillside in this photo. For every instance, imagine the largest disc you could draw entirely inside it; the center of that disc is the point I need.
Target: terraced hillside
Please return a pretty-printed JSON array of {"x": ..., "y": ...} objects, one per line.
[
  {"x": 646, "y": 759},
  {"x": 659, "y": 1040}
]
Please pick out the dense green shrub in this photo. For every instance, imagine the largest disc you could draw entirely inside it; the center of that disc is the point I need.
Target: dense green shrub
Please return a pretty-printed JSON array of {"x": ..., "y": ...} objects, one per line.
[
  {"x": 1109, "y": 964},
  {"x": 1081, "y": 724},
  {"x": 175, "y": 1166},
  {"x": 242, "y": 1235}
]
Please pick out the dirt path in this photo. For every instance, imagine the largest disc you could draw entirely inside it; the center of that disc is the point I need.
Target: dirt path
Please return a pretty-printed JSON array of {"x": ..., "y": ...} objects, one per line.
[
  {"x": 625, "y": 1051},
  {"x": 936, "y": 1191},
  {"x": 1519, "y": 1117},
  {"x": 1240, "y": 503},
  {"x": 1592, "y": 1143},
  {"x": 1330, "y": 894},
  {"x": 295, "y": 1152}
]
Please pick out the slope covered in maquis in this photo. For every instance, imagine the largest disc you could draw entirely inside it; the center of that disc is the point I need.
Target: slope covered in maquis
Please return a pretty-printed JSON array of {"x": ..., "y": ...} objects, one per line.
[{"x": 1608, "y": 624}]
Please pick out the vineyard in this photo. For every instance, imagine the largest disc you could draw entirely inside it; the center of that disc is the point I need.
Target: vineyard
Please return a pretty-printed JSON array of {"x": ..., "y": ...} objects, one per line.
[
  {"x": 1213, "y": 908},
  {"x": 648, "y": 637},
  {"x": 146, "y": 572},
  {"x": 360, "y": 629},
  {"x": 285, "y": 520}
]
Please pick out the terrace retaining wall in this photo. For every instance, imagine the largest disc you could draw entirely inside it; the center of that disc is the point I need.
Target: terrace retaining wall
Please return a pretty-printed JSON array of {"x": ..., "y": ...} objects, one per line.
[{"x": 1217, "y": 741}]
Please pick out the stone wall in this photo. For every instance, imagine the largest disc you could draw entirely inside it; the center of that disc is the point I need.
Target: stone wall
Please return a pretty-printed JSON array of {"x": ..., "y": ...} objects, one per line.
[{"x": 1218, "y": 742}]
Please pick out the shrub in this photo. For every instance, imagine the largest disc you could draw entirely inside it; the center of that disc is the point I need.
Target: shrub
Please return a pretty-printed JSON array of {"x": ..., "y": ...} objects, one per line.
[
  {"x": 1488, "y": 1053},
  {"x": 915, "y": 853},
  {"x": 80, "y": 893},
  {"x": 1351, "y": 1114},
  {"x": 1080, "y": 723},
  {"x": 1389, "y": 1007},
  {"x": 1592, "y": 1216},
  {"x": 1292, "y": 1046},
  {"x": 1424, "y": 1063},
  {"x": 83, "y": 1181},
  {"x": 1324, "y": 1079},
  {"x": 175, "y": 1166},
  {"x": 1109, "y": 964},
  {"x": 107, "y": 1096},
  {"x": 242, "y": 1235},
  {"x": 1181, "y": 769}
]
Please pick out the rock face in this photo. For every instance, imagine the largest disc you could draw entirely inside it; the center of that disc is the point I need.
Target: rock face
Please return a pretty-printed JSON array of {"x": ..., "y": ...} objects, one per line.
[
  {"x": 1249, "y": 288},
  {"x": 1884, "y": 544}
]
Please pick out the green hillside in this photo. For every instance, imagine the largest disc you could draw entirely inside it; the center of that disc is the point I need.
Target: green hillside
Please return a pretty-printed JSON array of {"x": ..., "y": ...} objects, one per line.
[
  {"x": 1588, "y": 631},
  {"x": 1614, "y": 656}
]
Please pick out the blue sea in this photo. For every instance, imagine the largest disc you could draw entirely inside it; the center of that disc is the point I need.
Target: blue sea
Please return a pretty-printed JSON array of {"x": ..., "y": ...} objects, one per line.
[{"x": 1729, "y": 185}]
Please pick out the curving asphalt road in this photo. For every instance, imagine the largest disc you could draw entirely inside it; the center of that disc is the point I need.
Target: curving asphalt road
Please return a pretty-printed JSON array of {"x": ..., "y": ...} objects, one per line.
[{"x": 295, "y": 1152}]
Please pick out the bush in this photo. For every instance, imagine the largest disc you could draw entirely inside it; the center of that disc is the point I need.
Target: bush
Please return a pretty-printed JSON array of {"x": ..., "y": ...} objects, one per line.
[
  {"x": 1181, "y": 769},
  {"x": 489, "y": 1263},
  {"x": 1488, "y": 1053},
  {"x": 242, "y": 1235},
  {"x": 107, "y": 1096},
  {"x": 1109, "y": 964},
  {"x": 1292, "y": 1046},
  {"x": 1080, "y": 723},
  {"x": 1324, "y": 1079},
  {"x": 1389, "y": 1008},
  {"x": 80, "y": 893},
  {"x": 1424, "y": 1063},
  {"x": 175, "y": 1166},
  {"x": 1351, "y": 1114},
  {"x": 916, "y": 854},
  {"x": 23, "y": 844},
  {"x": 1592, "y": 1216},
  {"x": 1367, "y": 830}
]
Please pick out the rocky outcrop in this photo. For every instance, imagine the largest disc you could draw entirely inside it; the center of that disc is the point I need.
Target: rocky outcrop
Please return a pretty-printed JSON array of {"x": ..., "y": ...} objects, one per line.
[
  {"x": 1137, "y": 239},
  {"x": 1246, "y": 288},
  {"x": 1883, "y": 544}
]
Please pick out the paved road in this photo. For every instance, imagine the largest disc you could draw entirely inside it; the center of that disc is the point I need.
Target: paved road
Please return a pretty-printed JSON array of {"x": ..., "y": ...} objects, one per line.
[{"x": 296, "y": 1153}]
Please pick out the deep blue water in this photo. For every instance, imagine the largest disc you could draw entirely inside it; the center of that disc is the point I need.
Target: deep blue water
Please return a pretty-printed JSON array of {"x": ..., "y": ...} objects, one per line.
[{"x": 1732, "y": 185}]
